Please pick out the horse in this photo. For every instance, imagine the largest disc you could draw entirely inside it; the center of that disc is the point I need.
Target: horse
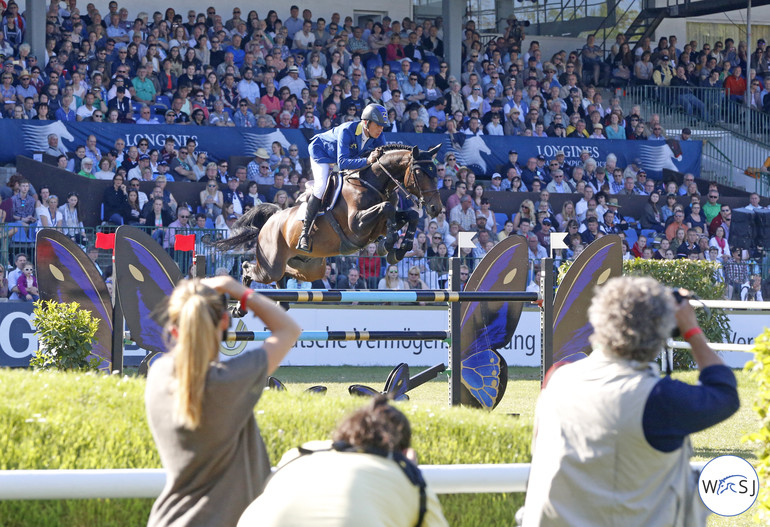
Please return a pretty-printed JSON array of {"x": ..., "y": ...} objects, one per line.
[{"x": 365, "y": 212}]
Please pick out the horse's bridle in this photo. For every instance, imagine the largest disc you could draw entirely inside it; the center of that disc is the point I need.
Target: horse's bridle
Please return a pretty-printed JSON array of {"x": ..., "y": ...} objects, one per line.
[{"x": 410, "y": 171}]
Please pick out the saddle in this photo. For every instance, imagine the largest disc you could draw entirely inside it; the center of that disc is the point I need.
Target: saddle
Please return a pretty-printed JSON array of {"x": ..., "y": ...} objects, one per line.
[{"x": 332, "y": 192}]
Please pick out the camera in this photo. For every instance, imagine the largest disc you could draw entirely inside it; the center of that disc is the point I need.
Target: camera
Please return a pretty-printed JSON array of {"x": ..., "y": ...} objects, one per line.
[
  {"x": 679, "y": 295},
  {"x": 517, "y": 23}
]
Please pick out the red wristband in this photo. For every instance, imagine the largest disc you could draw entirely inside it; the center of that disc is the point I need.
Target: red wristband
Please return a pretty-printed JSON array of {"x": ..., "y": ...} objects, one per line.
[
  {"x": 692, "y": 332},
  {"x": 245, "y": 298}
]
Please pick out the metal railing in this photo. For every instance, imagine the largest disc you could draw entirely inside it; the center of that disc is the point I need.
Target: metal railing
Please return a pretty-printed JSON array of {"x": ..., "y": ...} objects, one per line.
[
  {"x": 679, "y": 106},
  {"x": 432, "y": 269},
  {"x": 737, "y": 138},
  {"x": 16, "y": 239}
]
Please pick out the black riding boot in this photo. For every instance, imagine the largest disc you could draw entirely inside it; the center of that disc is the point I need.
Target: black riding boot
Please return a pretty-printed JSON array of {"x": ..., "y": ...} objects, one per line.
[{"x": 304, "y": 244}]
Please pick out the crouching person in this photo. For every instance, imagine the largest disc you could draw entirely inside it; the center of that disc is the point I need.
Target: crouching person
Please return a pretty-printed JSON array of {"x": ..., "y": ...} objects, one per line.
[{"x": 366, "y": 476}]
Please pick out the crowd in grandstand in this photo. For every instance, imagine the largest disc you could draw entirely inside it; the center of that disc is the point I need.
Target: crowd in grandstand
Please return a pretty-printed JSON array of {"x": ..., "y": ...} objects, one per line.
[{"x": 305, "y": 72}]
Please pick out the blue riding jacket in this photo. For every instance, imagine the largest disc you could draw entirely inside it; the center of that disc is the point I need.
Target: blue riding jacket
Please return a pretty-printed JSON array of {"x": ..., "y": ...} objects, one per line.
[{"x": 344, "y": 145}]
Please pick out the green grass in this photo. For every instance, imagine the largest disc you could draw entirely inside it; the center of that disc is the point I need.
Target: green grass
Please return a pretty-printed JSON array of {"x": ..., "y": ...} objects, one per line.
[{"x": 52, "y": 420}]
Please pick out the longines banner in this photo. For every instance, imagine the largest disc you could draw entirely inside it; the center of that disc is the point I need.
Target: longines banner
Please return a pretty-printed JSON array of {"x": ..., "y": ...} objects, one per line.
[
  {"x": 484, "y": 154},
  {"x": 18, "y": 342}
]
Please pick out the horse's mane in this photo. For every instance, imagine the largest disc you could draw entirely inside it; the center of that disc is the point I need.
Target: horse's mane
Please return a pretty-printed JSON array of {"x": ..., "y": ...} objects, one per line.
[{"x": 393, "y": 146}]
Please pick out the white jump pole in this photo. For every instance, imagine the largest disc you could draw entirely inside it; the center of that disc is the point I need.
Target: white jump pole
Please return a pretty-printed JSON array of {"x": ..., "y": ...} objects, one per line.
[
  {"x": 731, "y": 304},
  {"x": 715, "y": 345}
]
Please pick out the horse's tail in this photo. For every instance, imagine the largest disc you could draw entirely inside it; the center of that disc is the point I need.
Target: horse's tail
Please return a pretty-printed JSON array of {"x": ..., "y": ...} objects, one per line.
[{"x": 246, "y": 229}]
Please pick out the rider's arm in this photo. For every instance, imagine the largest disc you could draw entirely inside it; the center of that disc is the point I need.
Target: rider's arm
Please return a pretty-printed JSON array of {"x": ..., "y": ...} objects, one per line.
[{"x": 345, "y": 159}]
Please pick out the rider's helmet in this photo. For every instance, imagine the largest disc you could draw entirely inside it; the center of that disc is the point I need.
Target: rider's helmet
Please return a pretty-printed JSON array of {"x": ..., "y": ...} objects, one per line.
[{"x": 376, "y": 113}]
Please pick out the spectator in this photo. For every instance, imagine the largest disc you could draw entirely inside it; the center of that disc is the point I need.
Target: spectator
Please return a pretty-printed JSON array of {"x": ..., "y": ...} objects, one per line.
[
  {"x": 464, "y": 214},
  {"x": 676, "y": 223},
  {"x": 370, "y": 265},
  {"x": 115, "y": 201},
  {"x": 723, "y": 220},
  {"x": 351, "y": 281},
  {"x": 754, "y": 202},
  {"x": 27, "y": 284},
  {"x": 185, "y": 421},
  {"x": 327, "y": 282},
  {"x": 695, "y": 220},
  {"x": 624, "y": 308},
  {"x": 652, "y": 217},
  {"x": 54, "y": 148},
  {"x": 751, "y": 291},
  {"x": 179, "y": 226},
  {"x": 413, "y": 280},
  {"x": 23, "y": 204},
  {"x": 373, "y": 445},
  {"x": 15, "y": 274},
  {"x": 50, "y": 216}
]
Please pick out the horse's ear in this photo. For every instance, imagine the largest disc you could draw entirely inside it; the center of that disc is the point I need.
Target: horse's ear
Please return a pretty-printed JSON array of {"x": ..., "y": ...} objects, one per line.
[
  {"x": 433, "y": 151},
  {"x": 415, "y": 151}
]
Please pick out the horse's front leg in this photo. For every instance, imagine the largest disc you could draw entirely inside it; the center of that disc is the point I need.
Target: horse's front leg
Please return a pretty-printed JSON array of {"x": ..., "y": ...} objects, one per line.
[
  {"x": 368, "y": 224},
  {"x": 410, "y": 218},
  {"x": 396, "y": 221}
]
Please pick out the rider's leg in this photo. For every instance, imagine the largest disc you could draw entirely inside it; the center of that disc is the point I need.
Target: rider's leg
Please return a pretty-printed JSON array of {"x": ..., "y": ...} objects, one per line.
[{"x": 320, "y": 178}]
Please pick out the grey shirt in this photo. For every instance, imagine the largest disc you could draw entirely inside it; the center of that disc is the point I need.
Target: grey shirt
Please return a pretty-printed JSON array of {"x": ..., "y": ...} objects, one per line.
[{"x": 217, "y": 470}]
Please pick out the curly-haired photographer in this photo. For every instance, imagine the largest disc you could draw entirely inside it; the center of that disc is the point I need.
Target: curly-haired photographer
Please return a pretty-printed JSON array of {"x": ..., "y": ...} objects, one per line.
[{"x": 611, "y": 439}]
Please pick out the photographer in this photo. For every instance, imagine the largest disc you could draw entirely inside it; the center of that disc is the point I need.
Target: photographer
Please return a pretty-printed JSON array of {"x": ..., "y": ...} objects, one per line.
[
  {"x": 611, "y": 440},
  {"x": 201, "y": 411},
  {"x": 515, "y": 30},
  {"x": 367, "y": 476}
]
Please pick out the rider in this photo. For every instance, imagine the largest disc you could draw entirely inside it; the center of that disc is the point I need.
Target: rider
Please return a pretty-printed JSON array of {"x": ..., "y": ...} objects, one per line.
[{"x": 346, "y": 145}]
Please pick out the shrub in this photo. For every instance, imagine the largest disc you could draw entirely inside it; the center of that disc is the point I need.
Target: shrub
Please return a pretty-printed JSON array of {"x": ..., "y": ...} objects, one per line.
[
  {"x": 700, "y": 277},
  {"x": 65, "y": 334},
  {"x": 759, "y": 370}
]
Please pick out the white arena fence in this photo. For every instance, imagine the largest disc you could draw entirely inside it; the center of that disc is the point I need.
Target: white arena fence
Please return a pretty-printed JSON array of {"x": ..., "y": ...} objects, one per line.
[{"x": 148, "y": 483}]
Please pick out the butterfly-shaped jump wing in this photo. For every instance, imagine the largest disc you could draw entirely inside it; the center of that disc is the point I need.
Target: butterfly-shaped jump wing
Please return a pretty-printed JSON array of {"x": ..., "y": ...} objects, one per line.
[{"x": 66, "y": 274}]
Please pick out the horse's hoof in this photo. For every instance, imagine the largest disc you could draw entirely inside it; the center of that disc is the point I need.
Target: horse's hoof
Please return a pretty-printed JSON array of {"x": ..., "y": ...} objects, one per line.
[{"x": 392, "y": 259}]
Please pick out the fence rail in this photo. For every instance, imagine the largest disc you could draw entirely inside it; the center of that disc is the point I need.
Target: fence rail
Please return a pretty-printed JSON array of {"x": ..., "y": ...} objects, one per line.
[{"x": 148, "y": 483}]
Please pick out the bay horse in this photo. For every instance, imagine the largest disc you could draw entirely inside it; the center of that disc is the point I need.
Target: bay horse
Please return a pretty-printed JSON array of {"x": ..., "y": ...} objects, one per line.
[{"x": 365, "y": 212}]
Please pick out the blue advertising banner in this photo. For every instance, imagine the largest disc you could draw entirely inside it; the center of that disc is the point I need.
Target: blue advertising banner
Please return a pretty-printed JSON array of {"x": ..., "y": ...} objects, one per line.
[
  {"x": 484, "y": 154},
  {"x": 18, "y": 341},
  {"x": 17, "y": 334}
]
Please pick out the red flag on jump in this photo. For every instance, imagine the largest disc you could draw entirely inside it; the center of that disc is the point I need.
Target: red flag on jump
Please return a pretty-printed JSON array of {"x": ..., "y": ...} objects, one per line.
[
  {"x": 184, "y": 242},
  {"x": 105, "y": 241}
]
